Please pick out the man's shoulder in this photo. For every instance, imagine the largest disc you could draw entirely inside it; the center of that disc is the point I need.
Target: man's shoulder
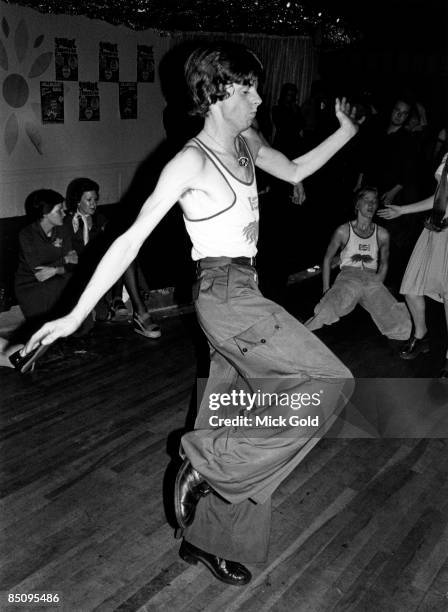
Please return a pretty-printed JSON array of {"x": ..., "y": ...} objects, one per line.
[
  {"x": 254, "y": 141},
  {"x": 343, "y": 230},
  {"x": 382, "y": 232},
  {"x": 191, "y": 156}
]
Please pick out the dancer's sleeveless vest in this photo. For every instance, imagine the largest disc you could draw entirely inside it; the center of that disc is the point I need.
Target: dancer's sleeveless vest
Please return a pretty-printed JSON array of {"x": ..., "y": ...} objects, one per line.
[{"x": 232, "y": 231}]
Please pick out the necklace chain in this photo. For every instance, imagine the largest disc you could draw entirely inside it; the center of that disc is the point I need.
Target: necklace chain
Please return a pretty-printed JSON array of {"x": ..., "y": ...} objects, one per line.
[{"x": 243, "y": 160}]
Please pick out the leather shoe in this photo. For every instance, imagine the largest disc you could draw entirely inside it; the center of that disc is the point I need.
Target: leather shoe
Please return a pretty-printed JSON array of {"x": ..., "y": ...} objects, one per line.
[
  {"x": 414, "y": 347},
  {"x": 190, "y": 486},
  {"x": 25, "y": 363},
  {"x": 230, "y": 572},
  {"x": 444, "y": 372}
]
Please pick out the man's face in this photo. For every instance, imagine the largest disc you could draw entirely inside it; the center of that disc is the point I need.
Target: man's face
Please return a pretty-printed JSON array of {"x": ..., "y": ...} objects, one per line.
[
  {"x": 400, "y": 113},
  {"x": 367, "y": 204},
  {"x": 240, "y": 107},
  {"x": 88, "y": 202}
]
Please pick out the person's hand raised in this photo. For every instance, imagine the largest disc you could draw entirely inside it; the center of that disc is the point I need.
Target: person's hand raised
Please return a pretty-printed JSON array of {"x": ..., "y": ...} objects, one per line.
[{"x": 346, "y": 116}]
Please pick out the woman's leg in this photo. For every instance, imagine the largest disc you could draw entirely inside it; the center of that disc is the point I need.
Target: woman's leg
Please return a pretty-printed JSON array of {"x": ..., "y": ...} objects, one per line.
[
  {"x": 445, "y": 303},
  {"x": 416, "y": 305},
  {"x": 143, "y": 323},
  {"x": 418, "y": 342},
  {"x": 130, "y": 281}
]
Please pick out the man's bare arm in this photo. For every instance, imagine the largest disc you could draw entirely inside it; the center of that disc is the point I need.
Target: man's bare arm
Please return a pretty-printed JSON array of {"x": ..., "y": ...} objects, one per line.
[
  {"x": 294, "y": 171},
  {"x": 383, "y": 242},
  {"x": 180, "y": 174},
  {"x": 337, "y": 241}
]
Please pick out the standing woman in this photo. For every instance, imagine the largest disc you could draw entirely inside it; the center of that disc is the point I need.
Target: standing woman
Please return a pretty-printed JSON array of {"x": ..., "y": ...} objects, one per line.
[
  {"x": 46, "y": 257},
  {"x": 427, "y": 270}
]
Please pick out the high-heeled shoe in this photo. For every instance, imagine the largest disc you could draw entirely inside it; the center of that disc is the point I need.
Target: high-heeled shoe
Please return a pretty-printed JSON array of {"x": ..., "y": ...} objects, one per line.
[
  {"x": 25, "y": 363},
  {"x": 415, "y": 347}
]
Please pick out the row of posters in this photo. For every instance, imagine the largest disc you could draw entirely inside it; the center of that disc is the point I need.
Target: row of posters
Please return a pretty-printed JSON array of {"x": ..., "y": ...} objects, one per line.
[
  {"x": 66, "y": 62},
  {"x": 52, "y": 101}
]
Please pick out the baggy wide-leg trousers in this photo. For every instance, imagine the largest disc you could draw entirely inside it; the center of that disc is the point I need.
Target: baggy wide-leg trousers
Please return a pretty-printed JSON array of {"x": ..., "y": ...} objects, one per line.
[{"x": 252, "y": 339}]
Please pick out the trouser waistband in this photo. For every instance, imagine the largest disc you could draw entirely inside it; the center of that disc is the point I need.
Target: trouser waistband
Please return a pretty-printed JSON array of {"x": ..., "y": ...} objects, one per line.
[{"x": 214, "y": 262}]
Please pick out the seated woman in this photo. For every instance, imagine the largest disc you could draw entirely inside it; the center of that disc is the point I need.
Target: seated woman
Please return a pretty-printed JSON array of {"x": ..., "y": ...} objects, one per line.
[
  {"x": 46, "y": 258},
  {"x": 90, "y": 240}
]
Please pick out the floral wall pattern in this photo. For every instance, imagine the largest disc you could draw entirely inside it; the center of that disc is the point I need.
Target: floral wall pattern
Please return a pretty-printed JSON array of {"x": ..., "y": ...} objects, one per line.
[{"x": 22, "y": 59}]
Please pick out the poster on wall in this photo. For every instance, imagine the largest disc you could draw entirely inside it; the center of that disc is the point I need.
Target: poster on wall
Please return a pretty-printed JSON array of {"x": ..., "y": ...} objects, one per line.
[
  {"x": 52, "y": 101},
  {"x": 128, "y": 100},
  {"x": 89, "y": 101},
  {"x": 66, "y": 59},
  {"x": 145, "y": 64},
  {"x": 109, "y": 65}
]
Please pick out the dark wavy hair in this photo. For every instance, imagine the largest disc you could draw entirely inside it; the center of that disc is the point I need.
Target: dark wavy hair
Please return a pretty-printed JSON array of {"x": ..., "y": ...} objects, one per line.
[
  {"x": 76, "y": 188},
  {"x": 209, "y": 69},
  {"x": 40, "y": 202},
  {"x": 362, "y": 191}
]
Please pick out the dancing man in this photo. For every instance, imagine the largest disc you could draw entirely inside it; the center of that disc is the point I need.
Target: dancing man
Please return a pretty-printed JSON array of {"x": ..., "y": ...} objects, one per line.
[{"x": 224, "y": 486}]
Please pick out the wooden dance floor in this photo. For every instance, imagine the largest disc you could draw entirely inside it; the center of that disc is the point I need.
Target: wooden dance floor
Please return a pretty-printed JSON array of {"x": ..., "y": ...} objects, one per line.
[{"x": 87, "y": 461}]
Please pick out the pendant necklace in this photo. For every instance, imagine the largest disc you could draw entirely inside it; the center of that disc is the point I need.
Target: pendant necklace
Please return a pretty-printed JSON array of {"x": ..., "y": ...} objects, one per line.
[{"x": 243, "y": 160}]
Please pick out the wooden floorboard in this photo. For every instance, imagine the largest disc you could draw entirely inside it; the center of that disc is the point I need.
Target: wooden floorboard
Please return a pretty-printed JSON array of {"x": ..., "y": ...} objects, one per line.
[{"x": 88, "y": 449}]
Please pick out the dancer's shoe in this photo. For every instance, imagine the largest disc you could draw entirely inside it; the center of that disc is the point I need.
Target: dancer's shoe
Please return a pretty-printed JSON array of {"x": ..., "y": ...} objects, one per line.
[{"x": 230, "y": 572}]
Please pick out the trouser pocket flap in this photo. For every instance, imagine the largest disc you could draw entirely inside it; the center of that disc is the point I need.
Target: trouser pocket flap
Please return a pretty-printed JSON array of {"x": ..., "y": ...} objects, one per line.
[{"x": 258, "y": 334}]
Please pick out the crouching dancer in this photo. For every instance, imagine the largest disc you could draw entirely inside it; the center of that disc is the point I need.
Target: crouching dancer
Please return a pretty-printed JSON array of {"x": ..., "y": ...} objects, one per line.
[
  {"x": 224, "y": 486},
  {"x": 364, "y": 260}
]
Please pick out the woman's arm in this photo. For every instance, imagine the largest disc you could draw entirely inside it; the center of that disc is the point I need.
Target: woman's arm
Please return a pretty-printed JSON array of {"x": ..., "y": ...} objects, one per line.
[{"x": 392, "y": 212}]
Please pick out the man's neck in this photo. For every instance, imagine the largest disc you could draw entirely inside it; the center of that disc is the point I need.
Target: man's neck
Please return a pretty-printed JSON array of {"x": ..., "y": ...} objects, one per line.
[
  {"x": 363, "y": 224},
  {"x": 222, "y": 134}
]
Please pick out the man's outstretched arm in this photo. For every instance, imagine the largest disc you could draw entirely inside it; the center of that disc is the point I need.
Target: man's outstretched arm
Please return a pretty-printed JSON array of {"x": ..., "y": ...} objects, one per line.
[
  {"x": 294, "y": 171},
  {"x": 178, "y": 175}
]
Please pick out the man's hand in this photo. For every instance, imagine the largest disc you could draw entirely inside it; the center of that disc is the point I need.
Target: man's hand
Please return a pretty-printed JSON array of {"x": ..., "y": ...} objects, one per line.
[
  {"x": 51, "y": 331},
  {"x": 347, "y": 116},
  {"x": 390, "y": 212},
  {"x": 43, "y": 273},
  {"x": 298, "y": 194}
]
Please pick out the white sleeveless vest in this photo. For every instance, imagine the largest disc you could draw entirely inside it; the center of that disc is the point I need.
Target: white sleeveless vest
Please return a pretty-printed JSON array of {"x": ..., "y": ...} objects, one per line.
[
  {"x": 233, "y": 231},
  {"x": 361, "y": 252}
]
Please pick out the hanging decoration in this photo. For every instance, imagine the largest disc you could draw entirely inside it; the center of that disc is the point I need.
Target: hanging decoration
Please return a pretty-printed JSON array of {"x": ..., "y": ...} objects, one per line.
[
  {"x": 128, "y": 100},
  {"x": 66, "y": 59},
  {"x": 145, "y": 64},
  {"x": 52, "y": 101},
  {"x": 279, "y": 17},
  {"x": 109, "y": 65},
  {"x": 89, "y": 101}
]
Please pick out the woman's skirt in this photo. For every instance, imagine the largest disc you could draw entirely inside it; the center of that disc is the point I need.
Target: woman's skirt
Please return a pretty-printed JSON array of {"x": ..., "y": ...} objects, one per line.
[{"x": 427, "y": 270}]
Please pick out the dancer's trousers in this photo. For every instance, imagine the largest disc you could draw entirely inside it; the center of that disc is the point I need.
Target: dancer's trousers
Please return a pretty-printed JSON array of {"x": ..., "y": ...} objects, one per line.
[{"x": 254, "y": 345}]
